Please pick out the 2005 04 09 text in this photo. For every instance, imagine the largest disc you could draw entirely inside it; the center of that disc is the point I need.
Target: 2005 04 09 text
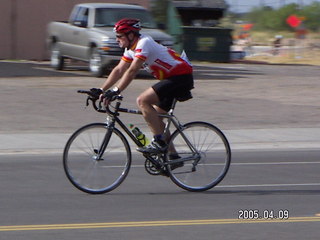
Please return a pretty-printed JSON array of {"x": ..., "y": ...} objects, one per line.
[{"x": 252, "y": 214}]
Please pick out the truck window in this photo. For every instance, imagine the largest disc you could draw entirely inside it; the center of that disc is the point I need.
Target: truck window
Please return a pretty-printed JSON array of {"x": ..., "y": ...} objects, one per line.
[
  {"x": 73, "y": 15},
  {"x": 107, "y": 17},
  {"x": 81, "y": 17}
]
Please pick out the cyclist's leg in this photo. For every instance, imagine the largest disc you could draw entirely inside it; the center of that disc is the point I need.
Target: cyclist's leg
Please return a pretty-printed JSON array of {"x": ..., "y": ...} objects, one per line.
[
  {"x": 166, "y": 91},
  {"x": 146, "y": 102},
  {"x": 166, "y": 135},
  {"x": 151, "y": 103},
  {"x": 161, "y": 94},
  {"x": 157, "y": 99}
]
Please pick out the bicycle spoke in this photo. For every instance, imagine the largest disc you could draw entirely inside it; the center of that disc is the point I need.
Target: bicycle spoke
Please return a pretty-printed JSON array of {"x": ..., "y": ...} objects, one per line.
[
  {"x": 86, "y": 169},
  {"x": 213, "y": 161}
]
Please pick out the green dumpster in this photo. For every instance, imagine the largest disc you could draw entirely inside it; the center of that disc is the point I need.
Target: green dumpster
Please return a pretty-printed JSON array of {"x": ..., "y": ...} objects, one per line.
[{"x": 207, "y": 43}]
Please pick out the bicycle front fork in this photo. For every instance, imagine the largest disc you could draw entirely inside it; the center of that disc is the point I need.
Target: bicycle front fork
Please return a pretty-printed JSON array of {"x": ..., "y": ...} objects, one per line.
[{"x": 99, "y": 152}]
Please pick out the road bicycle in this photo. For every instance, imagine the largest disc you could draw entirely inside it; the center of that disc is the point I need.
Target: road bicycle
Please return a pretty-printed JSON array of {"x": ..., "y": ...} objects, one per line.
[{"x": 97, "y": 157}]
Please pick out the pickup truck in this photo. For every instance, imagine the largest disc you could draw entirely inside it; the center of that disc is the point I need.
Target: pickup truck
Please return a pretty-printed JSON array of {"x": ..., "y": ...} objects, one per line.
[{"x": 88, "y": 35}]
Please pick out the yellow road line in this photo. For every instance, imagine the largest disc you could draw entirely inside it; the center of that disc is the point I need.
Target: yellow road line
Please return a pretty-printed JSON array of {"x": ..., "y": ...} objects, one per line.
[{"x": 151, "y": 224}]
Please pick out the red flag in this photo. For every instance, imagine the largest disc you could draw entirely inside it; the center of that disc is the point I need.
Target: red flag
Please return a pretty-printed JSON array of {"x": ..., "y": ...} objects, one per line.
[
  {"x": 293, "y": 21},
  {"x": 247, "y": 27}
]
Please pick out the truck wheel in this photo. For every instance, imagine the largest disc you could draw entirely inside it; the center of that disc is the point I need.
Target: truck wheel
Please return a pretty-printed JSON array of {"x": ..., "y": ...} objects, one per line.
[
  {"x": 95, "y": 63},
  {"x": 57, "y": 61}
]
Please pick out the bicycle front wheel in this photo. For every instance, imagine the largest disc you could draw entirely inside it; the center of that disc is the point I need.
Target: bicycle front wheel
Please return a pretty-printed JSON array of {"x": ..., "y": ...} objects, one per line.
[
  {"x": 205, "y": 153},
  {"x": 96, "y": 160}
]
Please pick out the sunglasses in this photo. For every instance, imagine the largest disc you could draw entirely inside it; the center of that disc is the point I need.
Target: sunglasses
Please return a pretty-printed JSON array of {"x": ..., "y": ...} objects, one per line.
[{"x": 119, "y": 35}]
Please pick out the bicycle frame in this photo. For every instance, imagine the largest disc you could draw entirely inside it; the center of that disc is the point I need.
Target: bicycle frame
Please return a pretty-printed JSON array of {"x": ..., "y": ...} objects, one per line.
[{"x": 171, "y": 118}]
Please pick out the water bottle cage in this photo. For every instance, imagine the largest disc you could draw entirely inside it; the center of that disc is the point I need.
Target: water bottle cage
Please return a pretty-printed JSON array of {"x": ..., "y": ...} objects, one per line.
[{"x": 142, "y": 139}]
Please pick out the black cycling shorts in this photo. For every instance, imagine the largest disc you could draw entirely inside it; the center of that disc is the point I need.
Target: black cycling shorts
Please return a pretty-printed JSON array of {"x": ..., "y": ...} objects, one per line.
[{"x": 173, "y": 87}]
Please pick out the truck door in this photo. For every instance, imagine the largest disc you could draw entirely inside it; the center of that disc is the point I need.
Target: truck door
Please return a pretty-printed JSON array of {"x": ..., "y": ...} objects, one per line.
[{"x": 77, "y": 37}]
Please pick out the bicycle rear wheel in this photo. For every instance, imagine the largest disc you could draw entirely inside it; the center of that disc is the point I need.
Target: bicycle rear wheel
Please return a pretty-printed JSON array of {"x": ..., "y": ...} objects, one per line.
[
  {"x": 83, "y": 165},
  {"x": 205, "y": 153}
]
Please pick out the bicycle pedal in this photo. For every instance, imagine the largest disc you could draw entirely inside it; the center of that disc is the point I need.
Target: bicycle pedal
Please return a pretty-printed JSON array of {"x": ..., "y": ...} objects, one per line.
[
  {"x": 176, "y": 165},
  {"x": 165, "y": 173}
]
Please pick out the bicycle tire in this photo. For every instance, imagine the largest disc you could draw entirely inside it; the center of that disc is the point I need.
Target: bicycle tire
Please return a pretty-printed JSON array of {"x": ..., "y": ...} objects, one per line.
[
  {"x": 214, "y": 160},
  {"x": 82, "y": 166}
]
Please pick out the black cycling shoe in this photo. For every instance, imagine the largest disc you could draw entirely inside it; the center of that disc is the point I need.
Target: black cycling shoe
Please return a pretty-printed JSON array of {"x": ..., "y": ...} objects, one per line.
[{"x": 175, "y": 156}]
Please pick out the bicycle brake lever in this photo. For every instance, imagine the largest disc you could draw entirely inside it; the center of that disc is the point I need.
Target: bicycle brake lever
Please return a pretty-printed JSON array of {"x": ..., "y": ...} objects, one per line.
[{"x": 87, "y": 102}]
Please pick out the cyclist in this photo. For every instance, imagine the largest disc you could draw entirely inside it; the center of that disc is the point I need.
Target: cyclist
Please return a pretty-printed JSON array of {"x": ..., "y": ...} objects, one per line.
[{"x": 174, "y": 73}]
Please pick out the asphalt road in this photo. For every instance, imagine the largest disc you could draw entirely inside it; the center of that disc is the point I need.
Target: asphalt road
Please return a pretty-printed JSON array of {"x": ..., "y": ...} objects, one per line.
[{"x": 38, "y": 202}]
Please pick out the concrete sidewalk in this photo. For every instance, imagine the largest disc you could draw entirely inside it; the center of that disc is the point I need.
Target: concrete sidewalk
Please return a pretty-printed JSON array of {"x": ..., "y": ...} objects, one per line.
[{"x": 245, "y": 139}]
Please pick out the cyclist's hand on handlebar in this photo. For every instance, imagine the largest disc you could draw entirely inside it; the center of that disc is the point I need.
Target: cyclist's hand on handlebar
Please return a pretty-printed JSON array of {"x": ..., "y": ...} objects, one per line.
[
  {"x": 96, "y": 92},
  {"x": 110, "y": 94}
]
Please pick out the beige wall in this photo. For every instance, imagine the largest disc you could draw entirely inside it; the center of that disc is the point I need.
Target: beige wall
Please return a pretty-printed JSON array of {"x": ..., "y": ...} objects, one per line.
[
  {"x": 5, "y": 27},
  {"x": 23, "y": 25}
]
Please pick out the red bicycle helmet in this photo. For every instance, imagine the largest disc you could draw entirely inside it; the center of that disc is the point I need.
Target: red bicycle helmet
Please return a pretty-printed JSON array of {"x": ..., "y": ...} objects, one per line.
[{"x": 127, "y": 25}]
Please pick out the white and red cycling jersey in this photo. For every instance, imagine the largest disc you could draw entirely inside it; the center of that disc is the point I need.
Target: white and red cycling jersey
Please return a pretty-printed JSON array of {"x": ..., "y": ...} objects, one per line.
[{"x": 159, "y": 60}]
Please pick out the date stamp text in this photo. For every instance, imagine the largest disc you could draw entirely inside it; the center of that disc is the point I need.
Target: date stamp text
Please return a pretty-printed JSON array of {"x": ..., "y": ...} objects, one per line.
[{"x": 255, "y": 214}]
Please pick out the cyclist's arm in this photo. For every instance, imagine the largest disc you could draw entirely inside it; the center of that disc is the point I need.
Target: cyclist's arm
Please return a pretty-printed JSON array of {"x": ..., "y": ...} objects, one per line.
[
  {"x": 130, "y": 73},
  {"x": 115, "y": 74}
]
